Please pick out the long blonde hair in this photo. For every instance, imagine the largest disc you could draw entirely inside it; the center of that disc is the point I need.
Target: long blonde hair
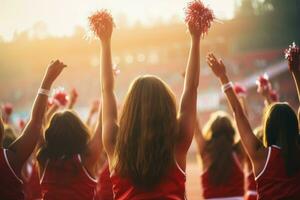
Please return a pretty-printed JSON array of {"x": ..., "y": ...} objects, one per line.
[{"x": 148, "y": 132}]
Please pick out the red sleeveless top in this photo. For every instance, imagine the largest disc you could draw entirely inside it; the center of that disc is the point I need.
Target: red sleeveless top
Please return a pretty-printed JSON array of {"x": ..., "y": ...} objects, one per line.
[
  {"x": 104, "y": 186},
  {"x": 11, "y": 186},
  {"x": 32, "y": 186},
  {"x": 232, "y": 189},
  {"x": 273, "y": 182},
  {"x": 67, "y": 180},
  {"x": 251, "y": 193},
  {"x": 172, "y": 187}
]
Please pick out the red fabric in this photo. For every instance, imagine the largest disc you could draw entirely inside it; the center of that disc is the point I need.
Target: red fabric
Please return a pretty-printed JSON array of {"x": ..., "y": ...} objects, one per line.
[
  {"x": 172, "y": 187},
  {"x": 251, "y": 193},
  {"x": 273, "y": 183},
  {"x": 104, "y": 186},
  {"x": 234, "y": 186},
  {"x": 32, "y": 187},
  {"x": 68, "y": 180},
  {"x": 11, "y": 188}
]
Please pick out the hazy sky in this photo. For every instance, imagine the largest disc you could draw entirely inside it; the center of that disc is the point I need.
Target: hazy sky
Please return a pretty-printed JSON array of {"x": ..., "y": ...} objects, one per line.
[{"x": 61, "y": 16}]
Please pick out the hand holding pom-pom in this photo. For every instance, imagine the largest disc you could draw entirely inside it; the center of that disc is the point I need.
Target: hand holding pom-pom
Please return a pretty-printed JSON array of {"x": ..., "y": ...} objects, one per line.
[
  {"x": 274, "y": 96},
  {"x": 60, "y": 97},
  {"x": 198, "y": 18},
  {"x": 263, "y": 85},
  {"x": 8, "y": 109},
  {"x": 240, "y": 90},
  {"x": 102, "y": 24},
  {"x": 292, "y": 54}
]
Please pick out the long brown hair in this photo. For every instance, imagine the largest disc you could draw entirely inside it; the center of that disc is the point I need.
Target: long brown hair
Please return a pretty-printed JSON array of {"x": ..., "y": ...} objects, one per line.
[
  {"x": 65, "y": 137},
  {"x": 148, "y": 132},
  {"x": 219, "y": 133},
  {"x": 281, "y": 129},
  {"x": 1, "y": 130}
]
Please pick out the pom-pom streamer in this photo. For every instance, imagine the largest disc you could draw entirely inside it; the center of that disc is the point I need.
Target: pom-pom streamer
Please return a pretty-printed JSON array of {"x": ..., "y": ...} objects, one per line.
[
  {"x": 100, "y": 21},
  {"x": 274, "y": 96},
  {"x": 199, "y": 16},
  {"x": 60, "y": 97},
  {"x": 263, "y": 81}
]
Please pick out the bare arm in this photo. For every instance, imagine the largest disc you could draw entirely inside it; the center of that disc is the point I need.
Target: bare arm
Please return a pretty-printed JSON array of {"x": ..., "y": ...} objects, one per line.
[
  {"x": 73, "y": 99},
  {"x": 93, "y": 110},
  {"x": 248, "y": 138},
  {"x": 109, "y": 104},
  {"x": 95, "y": 146},
  {"x": 294, "y": 66},
  {"x": 25, "y": 144},
  {"x": 187, "y": 109},
  {"x": 199, "y": 138}
]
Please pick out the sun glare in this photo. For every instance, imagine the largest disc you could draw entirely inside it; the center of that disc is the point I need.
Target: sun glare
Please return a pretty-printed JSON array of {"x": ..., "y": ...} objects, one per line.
[{"x": 59, "y": 18}]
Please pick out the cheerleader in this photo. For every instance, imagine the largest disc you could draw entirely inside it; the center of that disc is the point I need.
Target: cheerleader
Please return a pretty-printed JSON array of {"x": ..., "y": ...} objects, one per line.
[
  {"x": 223, "y": 176},
  {"x": 13, "y": 158},
  {"x": 276, "y": 165},
  {"x": 147, "y": 148},
  {"x": 68, "y": 158}
]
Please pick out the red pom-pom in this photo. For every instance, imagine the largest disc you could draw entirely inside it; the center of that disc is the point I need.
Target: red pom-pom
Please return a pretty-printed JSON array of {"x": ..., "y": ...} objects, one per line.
[
  {"x": 274, "y": 95},
  {"x": 7, "y": 109},
  {"x": 100, "y": 21},
  {"x": 199, "y": 15},
  {"x": 21, "y": 124},
  {"x": 288, "y": 52},
  {"x": 239, "y": 89},
  {"x": 263, "y": 81},
  {"x": 60, "y": 96},
  {"x": 292, "y": 54}
]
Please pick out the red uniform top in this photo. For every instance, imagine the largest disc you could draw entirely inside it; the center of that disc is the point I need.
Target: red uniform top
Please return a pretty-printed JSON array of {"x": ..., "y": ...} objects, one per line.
[
  {"x": 67, "y": 180},
  {"x": 104, "y": 186},
  {"x": 32, "y": 186},
  {"x": 11, "y": 186},
  {"x": 172, "y": 187},
  {"x": 233, "y": 188},
  {"x": 251, "y": 193},
  {"x": 273, "y": 182}
]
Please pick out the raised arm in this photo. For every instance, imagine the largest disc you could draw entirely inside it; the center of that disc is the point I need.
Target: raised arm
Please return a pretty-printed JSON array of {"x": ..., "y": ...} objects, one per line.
[
  {"x": 249, "y": 140},
  {"x": 294, "y": 66},
  {"x": 95, "y": 146},
  {"x": 21, "y": 149},
  {"x": 73, "y": 98},
  {"x": 187, "y": 109},
  {"x": 109, "y": 105},
  {"x": 199, "y": 138},
  {"x": 93, "y": 110}
]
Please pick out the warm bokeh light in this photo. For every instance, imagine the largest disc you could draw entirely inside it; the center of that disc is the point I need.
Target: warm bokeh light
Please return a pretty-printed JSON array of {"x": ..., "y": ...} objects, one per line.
[{"x": 59, "y": 18}]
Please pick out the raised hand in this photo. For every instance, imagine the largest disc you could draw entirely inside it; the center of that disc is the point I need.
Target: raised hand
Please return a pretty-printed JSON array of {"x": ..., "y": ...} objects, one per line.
[
  {"x": 217, "y": 67},
  {"x": 53, "y": 71},
  {"x": 194, "y": 30}
]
